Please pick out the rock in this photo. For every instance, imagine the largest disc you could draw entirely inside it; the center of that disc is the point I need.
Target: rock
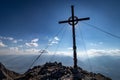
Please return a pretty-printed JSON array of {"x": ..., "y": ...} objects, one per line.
[
  {"x": 6, "y": 74},
  {"x": 56, "y": 71},
  {"x": 51, "y": 71}
]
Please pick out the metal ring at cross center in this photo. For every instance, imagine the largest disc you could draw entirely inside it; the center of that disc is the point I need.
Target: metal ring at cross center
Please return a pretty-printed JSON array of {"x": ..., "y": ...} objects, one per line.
[{"x": 71, "y": 20}]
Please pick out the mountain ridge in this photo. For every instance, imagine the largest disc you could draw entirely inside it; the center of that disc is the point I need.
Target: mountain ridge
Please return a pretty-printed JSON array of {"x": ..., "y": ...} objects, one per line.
[
  {"x": 51, "y": 71},
  {"x": 6, "y": 74}
]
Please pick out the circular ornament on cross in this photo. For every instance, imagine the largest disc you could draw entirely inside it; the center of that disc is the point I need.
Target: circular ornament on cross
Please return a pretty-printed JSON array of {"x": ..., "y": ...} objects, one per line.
[{"x": 73, "y": 21}]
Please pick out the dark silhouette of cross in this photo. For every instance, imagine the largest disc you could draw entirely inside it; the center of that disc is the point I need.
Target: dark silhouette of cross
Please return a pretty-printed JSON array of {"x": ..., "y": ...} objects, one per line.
[{"x": 73, "y": 20}]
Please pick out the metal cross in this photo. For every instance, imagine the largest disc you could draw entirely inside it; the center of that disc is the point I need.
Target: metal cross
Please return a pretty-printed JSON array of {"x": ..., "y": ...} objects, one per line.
[{"x": 73, "y": 20}]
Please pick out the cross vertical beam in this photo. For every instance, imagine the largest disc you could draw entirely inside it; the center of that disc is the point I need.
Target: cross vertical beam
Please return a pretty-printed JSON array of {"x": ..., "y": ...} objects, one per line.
[
  {"x": 74, "y": 39},
  {"x": 73, "y": 20}
]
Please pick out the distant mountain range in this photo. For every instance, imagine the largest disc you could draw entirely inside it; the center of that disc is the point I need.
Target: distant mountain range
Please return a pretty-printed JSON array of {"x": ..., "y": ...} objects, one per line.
[{"x": 51, "y": 71}]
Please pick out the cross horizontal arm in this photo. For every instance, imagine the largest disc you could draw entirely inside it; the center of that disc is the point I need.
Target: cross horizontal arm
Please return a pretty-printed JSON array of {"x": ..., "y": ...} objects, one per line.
[
  {"x": 66, "y": 21},
  {"x": 81, "y": 19}
]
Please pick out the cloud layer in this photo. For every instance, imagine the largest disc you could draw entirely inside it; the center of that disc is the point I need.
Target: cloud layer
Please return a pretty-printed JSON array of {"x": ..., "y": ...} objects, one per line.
[
  {"x": 111, "y": 52},
  {"x": 20, "y": 46}
]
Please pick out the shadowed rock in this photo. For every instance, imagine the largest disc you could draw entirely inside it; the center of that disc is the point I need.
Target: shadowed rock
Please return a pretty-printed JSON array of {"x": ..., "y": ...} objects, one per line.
[
  {"x": 51, "y": 71},
  {"x": 6, "y": 74},
  {"x": 56, "y": 71}
]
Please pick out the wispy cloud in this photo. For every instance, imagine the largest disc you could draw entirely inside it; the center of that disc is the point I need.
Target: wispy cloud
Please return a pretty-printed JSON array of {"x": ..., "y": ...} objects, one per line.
[
  {"x": 6, "y": 38},
  {"x": 13, "y": 40},
  {"x": 33, "y": 43},
  {"x": 14, "y": 48},
  {"x": 31, "y": 50},
  {"x": 55, "y": 40},
  {"x": 96, "y": 44},
  {"x": 70, "y": 48},
  {"x": 2, "y": 44},
  {"x": 35, "y": 40}
]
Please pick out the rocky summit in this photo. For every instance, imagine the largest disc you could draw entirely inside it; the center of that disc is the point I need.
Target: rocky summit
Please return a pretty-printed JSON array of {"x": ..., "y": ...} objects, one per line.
[{"x": 51, "y": 71}]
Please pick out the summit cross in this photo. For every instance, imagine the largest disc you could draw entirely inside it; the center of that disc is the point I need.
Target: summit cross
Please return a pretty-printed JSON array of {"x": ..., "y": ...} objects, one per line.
[{"x": 73, "y": 20}]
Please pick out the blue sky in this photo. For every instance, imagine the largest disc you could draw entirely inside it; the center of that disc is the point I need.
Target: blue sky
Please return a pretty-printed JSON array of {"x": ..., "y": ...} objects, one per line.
[{"x": 27, "y": 26}]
